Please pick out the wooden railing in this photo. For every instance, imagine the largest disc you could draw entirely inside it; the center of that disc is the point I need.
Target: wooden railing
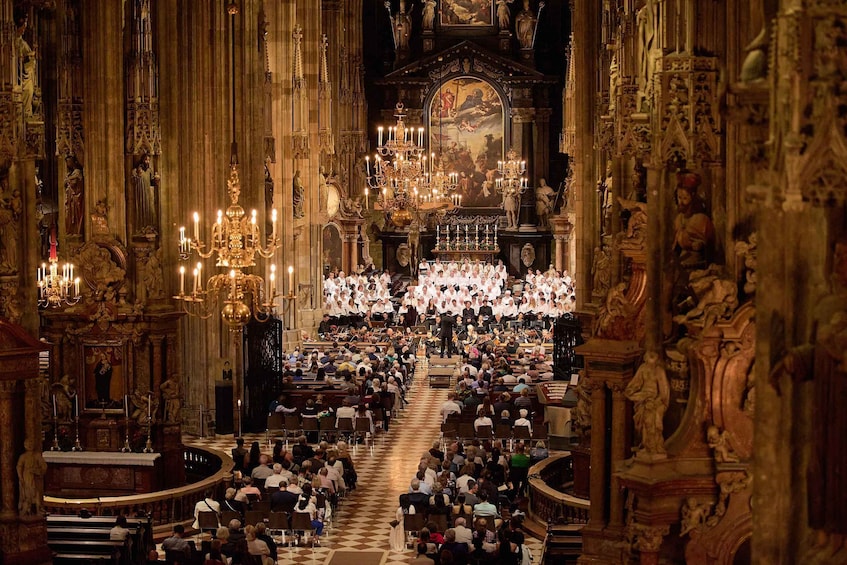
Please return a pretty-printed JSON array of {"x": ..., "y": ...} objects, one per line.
[
  {"x": 209, "y": 469},
  {"x": 547, "y": 502}
]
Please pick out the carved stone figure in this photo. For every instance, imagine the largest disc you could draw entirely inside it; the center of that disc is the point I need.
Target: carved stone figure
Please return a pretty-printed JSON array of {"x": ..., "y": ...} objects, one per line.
[
  {"x": 525, "y": 24},
  {"x": 414, "y": 241},
  {"x": 171, "y": 397},
  {"x": 11, "y": 208},
  {"x": 428, "y": 15},
  {"x": 646, "y": 38},
  {"x": 298, "y": 195},
  {"x": 717, "y": 298},
  {"x": 650, "y": 393},
  {"x": 601, "y": 273},
  {"x": 140, "y": 406},
  {"x": 719, "y": 442},
  {"x": 27, "y": 66},
  {"x": 614, "y": 82},
  {"x": 694, "y": 516},
  {"x": 635, "y": 234},
  {"x": 153, "y": 275},
  {"x": 582, "y": 413},
  {"x": 269, "y": 188},
  {"x": 511, "y": 204},
  {"x": 755, "y": 65},
  {"x": 145, "y": 183},
  {"x": 31, "y": 469},
  {"x": 351, "y": 208},
  {"x": 100, "y": 270},
  {"x": 65, "y": 392},
  {"x": 504, "y": 15},
  {"x": 617, "y": 306},
  {"x": 824, "y": 361},
  {"x": 747, "y": 250},
  {"x": 693, "y": 229},
  {"x": 544, "y": 199},
  {"x": 74, "y": 191},
  {"x": 401, "y": 23},
  {"x": 639, "y": 183},
  {"x": 527, "y": 255},
  {"x": 605, "y": 187}
]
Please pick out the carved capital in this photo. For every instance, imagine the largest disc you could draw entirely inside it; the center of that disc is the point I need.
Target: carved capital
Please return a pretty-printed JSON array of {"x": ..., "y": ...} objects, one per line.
[{"x": 648, "y": 539}]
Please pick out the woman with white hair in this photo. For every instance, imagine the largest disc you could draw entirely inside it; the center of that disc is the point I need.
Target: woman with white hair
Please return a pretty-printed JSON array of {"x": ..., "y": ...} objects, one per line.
[{"x": 523, "y": 421}]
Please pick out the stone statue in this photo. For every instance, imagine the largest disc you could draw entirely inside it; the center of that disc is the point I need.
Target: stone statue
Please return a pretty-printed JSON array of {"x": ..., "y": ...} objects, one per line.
[
  {"x": 824, "y": 361},
  {"x": 351, "y": 208},
  {"x": 545, "y": 197},
  {"x": 269, "y": 188},
  {"x": 605, "y": 187},
  {"x": 693, "y": 229},
  {"x": 65, "y": 391},
  {"x": 298, "y": 196},
  {"x": 581, "y": 415},
  {"x": 617, "y": 306},
  {"x": 401, "y": 23},
  {"x": 153, "y": 275},
  {"x": 717, "y": 298},
  {"x": 650, "y": 393},
  {"x": 414, "y": 241},
  {"x": 140, "y": 406},
  {"x": 747, "y": 250},
  {"x": 145, "y": 184},
  {"x": 99, "y": 218},
  {"x": 719, "y": 442},
  {"x": 601, "y": 273},
  {"x": 11, "y": 208},
  {"x": 428, "y": 15},
  {"x": 171, "y": 398},
  {"x": 511, "y": 204},
  {"x": 755, "y": 65},
  {"x": 645, "y": 39},
  {"x": 31, "y": 470},
  {"x": 525, "y": 26},
  {"x": 614, "y": 82},
  {"x": 504, "y": 15},
  {"x": 27, "y": 66},
  {"x": 635, "y": 234},
  {"x": 693, "y": 516},
  {"x": 74, "y": 194}
]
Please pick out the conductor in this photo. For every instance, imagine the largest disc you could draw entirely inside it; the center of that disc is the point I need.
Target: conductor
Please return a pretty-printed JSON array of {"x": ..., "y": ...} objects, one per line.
[{"x": 447, "y": 323}]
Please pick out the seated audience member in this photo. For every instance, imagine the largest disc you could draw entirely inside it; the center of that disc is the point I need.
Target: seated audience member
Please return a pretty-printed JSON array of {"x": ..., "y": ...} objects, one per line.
[
  {"x": 175, "y": 541},
  {"x": 208, "y": 504},
  {"x": 305, "y": 505},
  {"x": 462, "y": 533},
  {"x": 485, "y": 509},
  {"x": 283, "y": 499},
  {"x": 216, "y": 555},
  {"x": 523, "y": 421},
  {"x": 263, "y": 470},
  {"x": 119, "y": 532},
  {"x": 230, "y": 504},
  {"x": 539, "y": 452},
  {"x": 257, "y": 547}
]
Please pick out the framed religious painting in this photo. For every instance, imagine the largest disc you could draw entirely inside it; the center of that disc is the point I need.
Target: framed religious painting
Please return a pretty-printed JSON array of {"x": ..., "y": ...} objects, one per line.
[
  {"x": 104, "y": 376},
  {"x": 466, "y": 14},
  {"x": 466, "y": 117}
]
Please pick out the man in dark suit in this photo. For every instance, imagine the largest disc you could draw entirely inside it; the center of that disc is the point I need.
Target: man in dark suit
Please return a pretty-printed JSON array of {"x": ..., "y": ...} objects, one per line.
[
  {"x": 283, "y": 499},
  {"x": 485, "y": 310},
  {"x": 468, "y": 315},
  {"x": 446, "y": 329}
]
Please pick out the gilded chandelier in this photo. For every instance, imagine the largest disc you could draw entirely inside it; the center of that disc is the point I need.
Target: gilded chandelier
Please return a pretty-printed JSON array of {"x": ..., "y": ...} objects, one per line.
[
  {"x": 55, "y": 289},
  {"x": 406, "y": 182},
  {"x": 511, "y": 172},
  {"x": 235, "y": 243}
]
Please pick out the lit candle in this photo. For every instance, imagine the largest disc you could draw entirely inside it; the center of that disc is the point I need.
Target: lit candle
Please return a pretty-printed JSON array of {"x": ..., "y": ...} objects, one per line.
[
  {"x": 232, "y": 280},
  {"x": 291, "y": 279},
  {"x": 196, "y": 226},
  {"x": 273, "y": 222},
  {"x": 239, "y": 404},
  {"x": 273, "y": 274},
  {"x": 76, "y": 286},
  {"x": 182, "y": 280},
  {"x": 420, "y": 137},
  {"x": 366, "y": 198},
  {"x": 368, "y": 163},
  {"x": 72, "y": 272},
  {"x": 196, "y": 277},
  {"x": 379, "y": 133},
  {"x": 182, "y": 235}
]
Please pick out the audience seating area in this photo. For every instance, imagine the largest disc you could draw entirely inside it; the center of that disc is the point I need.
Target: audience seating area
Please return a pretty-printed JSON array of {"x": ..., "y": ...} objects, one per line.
[{"x": 84, "y": 540}]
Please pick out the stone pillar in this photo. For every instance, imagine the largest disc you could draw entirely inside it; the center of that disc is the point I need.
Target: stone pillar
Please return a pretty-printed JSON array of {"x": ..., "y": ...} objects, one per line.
[
  {"x": 597, "y": 512},
  {"x": 618, "y": 453},
  {"x": 7, "y": 450},
  {"x": 156, "y": 342},
  {"x": 561, "y": 235}
]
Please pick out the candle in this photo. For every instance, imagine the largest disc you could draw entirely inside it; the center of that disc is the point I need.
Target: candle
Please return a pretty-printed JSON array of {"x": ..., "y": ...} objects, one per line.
[
  {"x": 196, "y": 277},
  {"x": 196, "y": 226},
  {"x": 273, "y": 222},
  {"x": 368, "y": 163},
  {"x": 76, "y": 286},
  {"x": 232, "y": 280},
  {"x": 126, "y": 406},
  {"x": 379, "y": 133},
  {"x": 239, "y": 404},
  {"x": 149, "y": 406},
  {"x": 55, "y": 413},
  {"x": 420, "y": 137},
  {"x": 291, "y": 279},
  {"x": 76, "y": 405},
  {"x": 182, "y": 280},
  {"x": 182, "y": 235}
]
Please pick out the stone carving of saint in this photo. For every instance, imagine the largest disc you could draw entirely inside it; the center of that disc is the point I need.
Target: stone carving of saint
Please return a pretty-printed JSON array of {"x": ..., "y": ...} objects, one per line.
[
  {"x": 601, "y": 273},
  {"x": 74, "y": 193},
  {"x": 146, "y": 184},
  {"x": 693, "y": 229},
  {"x": 605, "y": 187},
  {"x": 153, "y": 275},
  {"x": 401, "y": 22},
  {"x": 31, "y": 469},
  {"x": 11, "y": 207},
  {"x": 504, "y": 15},
  {"x": 65, "y": 392},
  {"x": 650, "y": 393},
  {"x": 298, "y": 195},
  {"x": 27, "y": 66},
  {"x": 511, "y": 204},
  {"x": 545, "y": 196},
  {"x": 100, "y": 219},
  {"x": 171, "y": 398},
  {"x": 269, "y": 188},
  {"x": 428, "y": 15},
  {"x": 645, "y": 39},
  {"x": 525, "y": 26},
  {"x": 824, "y": 361}
]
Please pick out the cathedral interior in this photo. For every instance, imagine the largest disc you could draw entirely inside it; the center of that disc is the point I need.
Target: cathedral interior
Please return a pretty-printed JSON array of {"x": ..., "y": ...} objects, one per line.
[{"x": 660, "y": 142}]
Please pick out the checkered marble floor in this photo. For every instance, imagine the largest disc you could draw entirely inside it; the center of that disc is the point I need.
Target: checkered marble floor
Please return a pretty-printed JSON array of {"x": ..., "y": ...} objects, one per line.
[{"x": 362, "y": 520}]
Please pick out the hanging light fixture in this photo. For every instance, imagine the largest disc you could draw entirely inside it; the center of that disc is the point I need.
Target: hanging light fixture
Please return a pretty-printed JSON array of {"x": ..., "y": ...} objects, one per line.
[
  {"x": 511, "y": 172},
  {"x": 55, "y": 289},
  {"x": 235, "y": 243}
]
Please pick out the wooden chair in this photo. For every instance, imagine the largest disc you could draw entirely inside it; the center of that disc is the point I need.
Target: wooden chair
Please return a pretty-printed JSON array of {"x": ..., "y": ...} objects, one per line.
[
  {"x": 503, "y": 432},
  {"x": 483, "y": 433},
  {"x": 310, "y": 427},
  {"x": 345, "y": 427},
  {"x": 301, "y": 522},
  {"x": 522, "y": 433},
  {"x": 540, "y": 432},
  {"x": 363, "y": 429},
  {"x": 466, "y": 431},
  {"x": 208, "y": 521},
  {"x": 414, "y": 522},
  {"x": 440, "y": 520},
  {"x": 228, "y": 516},
  {"x": 253, "y": 517},
  {"x": 261, "y": 506},
  {"x": 276, "y": 423},
  {"x": 292, "y": 425},
  {"x": 279, "y": 522},
  {"x": 449, "y": 432},
  {"x": 326, "y": 425}
]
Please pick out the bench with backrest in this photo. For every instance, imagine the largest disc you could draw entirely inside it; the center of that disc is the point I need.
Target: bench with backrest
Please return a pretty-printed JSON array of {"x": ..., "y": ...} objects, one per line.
[{"x": 74, "y": 539}]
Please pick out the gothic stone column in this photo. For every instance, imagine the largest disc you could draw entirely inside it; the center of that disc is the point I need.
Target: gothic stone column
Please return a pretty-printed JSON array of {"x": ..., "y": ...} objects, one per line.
[{"x": 7, "y": 450}]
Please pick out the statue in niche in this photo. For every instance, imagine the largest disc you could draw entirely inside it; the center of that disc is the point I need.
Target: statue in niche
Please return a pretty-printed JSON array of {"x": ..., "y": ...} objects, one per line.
[
  {"x": 601, "y": 273},
  {"x": 27, "y": 65},
  {"x": 401, "y": 23},
  {"x": 635, "y": 234},
  {"x": 717, "y": 298},
  {"x": 31, "y": 469},
  {"x": 298, "y": 196},
  {"x": 525, "y": 26},
  {"x": 639, "y": 183},
  {"x": 65, "y": 392},
  {"x": 824, "y": 361},
  {"x": 11, "y": 208},
  {"x": 153, "y": 275},
  {"x": 504, "y": 15},
  {"x": 269, "y": 188},
  {"x": 511, "y": 204},
  {"x": 140, "y": 399},
  {"x": 617, "y": 306},
  {"x": 74, "y": 195},
  {"x": 650, "y": 393},
  {"x": 747, "y": 250},
  {"x": 755, "y": 65},
  {"x": 170, "y": 390},
  {"x": 646, "y": 39},
  {"x": 428, "y": 15},
  {"x": 605, "y": 187},
  {"x": 545, "y": 197},
  {"x": 719, "y": 442},
  {"x": 99, "y": 218},
  {"x": 693, "y": 229},
  {"x": 582, "y": 412},
  {"x": 614, "y": 82},
  {"x": 145, "y": 184},
  {"x": 414, "y": 241}
]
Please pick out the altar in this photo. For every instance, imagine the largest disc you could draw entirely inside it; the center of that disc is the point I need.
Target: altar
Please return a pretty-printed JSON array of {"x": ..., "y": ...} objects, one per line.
[
  {"x": 482, "y": 255},
  {"x": 98, "y": 473},
  {"x": 452, "y": 243}
]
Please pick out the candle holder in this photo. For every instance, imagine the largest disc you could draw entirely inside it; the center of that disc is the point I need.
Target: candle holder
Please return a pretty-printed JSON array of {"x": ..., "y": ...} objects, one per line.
[
  {"x": 55, "y": 445},
  {"x": 126, "y": 448},
  {"x": 77, "y": 446},
  {"x": 148, "y": 446}
]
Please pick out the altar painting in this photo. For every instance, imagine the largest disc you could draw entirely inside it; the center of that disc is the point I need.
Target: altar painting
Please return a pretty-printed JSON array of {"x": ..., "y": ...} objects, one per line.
[
  {"x": 467, "y": 13},
  {"x": 466, "y": 128},
  {"x": 104, "y": 378}
]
